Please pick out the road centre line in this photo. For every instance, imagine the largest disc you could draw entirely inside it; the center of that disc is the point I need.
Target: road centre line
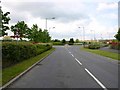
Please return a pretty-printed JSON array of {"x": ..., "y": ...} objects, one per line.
[
  {"x": 95, "y": 79},
  {"x": 91, "y": 74},
  {"x": 72, "y": 55},
  {"x": 78, "y": 61}
]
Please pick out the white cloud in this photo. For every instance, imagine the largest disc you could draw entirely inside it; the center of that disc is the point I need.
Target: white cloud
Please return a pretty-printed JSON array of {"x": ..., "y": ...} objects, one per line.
[
  {"x": 110, "y": 16},
  {"x": 99, "y": 28},
  {"x": 69, "y": 16},
  {"x": 106, "y": 6}
]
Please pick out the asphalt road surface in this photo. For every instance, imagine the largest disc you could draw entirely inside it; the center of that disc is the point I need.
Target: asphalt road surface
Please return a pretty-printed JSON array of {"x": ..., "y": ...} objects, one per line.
[{"x": 70, "y": 67}]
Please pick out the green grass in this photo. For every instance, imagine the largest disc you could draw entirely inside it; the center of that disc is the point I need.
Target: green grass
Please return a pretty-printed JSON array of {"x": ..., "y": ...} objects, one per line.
[
  {"x": 103, "y": 53},
  {"x": 11, "y": 72}
]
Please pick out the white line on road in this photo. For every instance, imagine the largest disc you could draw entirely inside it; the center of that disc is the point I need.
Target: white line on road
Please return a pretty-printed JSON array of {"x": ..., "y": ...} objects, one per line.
[
  {"x": 78, "y": 61},
  {"x": 72, "y": 55},
  {"x": 96, "y": 79}
]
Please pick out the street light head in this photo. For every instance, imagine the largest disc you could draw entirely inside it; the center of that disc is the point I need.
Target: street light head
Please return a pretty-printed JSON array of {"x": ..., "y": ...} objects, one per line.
[
  {"x": 78, "y": 27},
  {"x": 53, "y": 18}
]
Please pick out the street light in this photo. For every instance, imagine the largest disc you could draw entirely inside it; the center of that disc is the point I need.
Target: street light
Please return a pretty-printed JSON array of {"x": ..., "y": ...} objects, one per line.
[
  {"x": 51, "y": 28},
  {"x": 46, "y": 21},
  {"x": 83, "y": 33},
  {"x": 93, "y": 34}
]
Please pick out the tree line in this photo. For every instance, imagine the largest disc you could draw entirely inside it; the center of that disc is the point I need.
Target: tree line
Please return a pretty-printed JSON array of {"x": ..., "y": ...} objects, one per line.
[{"x": 21, "y": 30}]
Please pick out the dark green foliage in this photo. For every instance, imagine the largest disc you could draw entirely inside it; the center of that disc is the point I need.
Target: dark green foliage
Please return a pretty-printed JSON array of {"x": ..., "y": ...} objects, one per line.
[
  {"x": 56, "y": 40},
  {"x": 57, "y": 43},
  {"x": 12, "y": 53},
  {"x": 71, "y": 42},
  {"x": 37, "y": 35},
  {"x": 21, "y": 28},
  {"x": 77, "y": 41},
  {"x": 4, "y": 19},
  {"x": 117, "y": 36},
  {"x": 93, "y": 46},
  {"x": 63, "y": 41}
]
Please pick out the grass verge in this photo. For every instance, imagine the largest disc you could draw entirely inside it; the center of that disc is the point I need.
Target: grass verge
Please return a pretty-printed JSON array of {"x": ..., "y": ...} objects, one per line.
[
  {"x": 11, "y": 72},
  {"x": 103, "y": 53}
]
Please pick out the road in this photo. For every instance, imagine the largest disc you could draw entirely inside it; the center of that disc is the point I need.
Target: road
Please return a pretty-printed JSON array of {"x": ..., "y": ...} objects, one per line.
[
  {"x": 110, "y": 50},
  {"x": 70, "y": 67}
]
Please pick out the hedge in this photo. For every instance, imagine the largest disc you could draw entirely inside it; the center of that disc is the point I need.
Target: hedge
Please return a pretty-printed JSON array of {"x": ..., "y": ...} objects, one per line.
[
  {"x": 57, "y": 43},
  {"x": 92, "y": 46},
  {"x": 13, "y": 53}
]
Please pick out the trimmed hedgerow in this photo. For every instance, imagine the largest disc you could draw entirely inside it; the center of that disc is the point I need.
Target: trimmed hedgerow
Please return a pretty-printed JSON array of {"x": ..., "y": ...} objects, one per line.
[
  {"x": 94, "y": 46},
  {"x": 13, "y": 53}
]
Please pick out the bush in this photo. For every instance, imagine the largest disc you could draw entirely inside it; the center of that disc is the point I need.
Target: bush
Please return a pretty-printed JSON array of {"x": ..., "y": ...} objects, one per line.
[
  {"x": 104, "y": 45},
  {"x": 12, "y": 53},
  {"x": 70, "y": 43},
  {"x": 93, "y": 46},
  {"x": 58, "y": 43},
  {"x": 115, "y": 45}
]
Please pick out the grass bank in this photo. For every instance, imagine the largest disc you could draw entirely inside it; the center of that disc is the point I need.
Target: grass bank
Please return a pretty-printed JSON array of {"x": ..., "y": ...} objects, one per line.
[
  {"x": 103, "y": 53},
  {"x": 11, "y": 72}
]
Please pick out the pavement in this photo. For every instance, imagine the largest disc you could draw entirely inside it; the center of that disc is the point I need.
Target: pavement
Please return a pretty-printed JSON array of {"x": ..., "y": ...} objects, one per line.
[{"x": 70, "y": 67}]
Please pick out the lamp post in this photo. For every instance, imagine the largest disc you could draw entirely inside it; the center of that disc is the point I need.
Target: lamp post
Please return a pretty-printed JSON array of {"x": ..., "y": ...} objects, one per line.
[
  {"x": 46, "y": 21},
  {"x": 50, "y": 28},
  {"x": 93, "y": 34},
  {"x": 83, "y": 35}
]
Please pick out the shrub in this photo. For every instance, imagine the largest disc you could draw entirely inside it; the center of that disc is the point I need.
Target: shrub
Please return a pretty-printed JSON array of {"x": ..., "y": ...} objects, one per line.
[
  {"x": 58, "y": 43},
  {"x": 70, "y": 43},
  {"x": 115, "y": 45},
  {"x": 93, "y": 46},
  {"x": 12, "y": 53}
]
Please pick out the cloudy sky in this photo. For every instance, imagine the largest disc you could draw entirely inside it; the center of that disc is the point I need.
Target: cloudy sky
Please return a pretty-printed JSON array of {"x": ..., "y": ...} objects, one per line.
[{"x": 99, "y": 17}]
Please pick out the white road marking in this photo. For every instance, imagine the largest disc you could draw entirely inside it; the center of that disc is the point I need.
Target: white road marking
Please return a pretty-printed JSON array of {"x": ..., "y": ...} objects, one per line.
[
  {"x": 69, "y": 52},
  {"x": 72, "y": 55},
  {"x": 78, "y": 61},
  {"x": 96, "y": 79}
]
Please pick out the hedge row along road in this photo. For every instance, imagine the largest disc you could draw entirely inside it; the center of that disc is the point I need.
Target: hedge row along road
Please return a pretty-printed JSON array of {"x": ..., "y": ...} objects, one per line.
[
  {"x": 69, "y": 67},
  {"x": 13, "y": 54}
]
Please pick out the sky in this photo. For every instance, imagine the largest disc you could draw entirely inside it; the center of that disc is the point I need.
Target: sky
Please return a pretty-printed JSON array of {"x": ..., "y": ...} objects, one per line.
[{"x": 98, "y": 17}]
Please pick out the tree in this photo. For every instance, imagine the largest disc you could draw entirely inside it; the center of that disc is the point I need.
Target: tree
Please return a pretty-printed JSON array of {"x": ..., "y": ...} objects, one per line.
[
  {"x": 46, "y": 37},
  {"x": 71, "y": 42},
  {"x": 21, "y": 29},
  {"x": 56, "y": 40},
  {"x": 4, "y": 18},
  {"x": 117, "y": 36},
  {"x": 33, "y": 34},
  {"x": 37, "y": 35},
  {"x": 77, "y": 41},
  {"x": 63, "y": 41}
]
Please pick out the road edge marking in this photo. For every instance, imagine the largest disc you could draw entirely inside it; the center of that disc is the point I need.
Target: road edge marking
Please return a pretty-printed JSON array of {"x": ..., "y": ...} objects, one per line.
[
  {"x": 95, "y": 79},
  {"x": 24, "y": 72}
]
